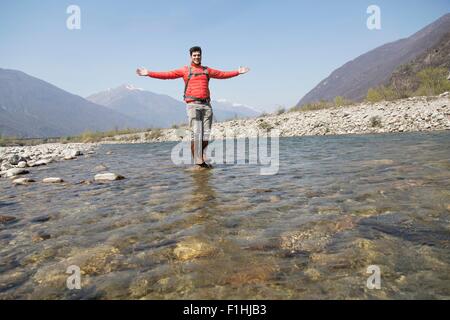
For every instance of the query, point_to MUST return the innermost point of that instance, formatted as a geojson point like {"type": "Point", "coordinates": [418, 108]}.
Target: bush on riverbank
{"type": "Point", "coordinates": [338, 101]}
{"type": "Point", "coordinates": [6, 141]}
{"type": "Point", "coordinates": [430, 82]}
{"type": "Point", "coordinates": [433, 81]}
{"type": "Point", "coordinates": [381, 93]}
{"type": "Point", "coordinates": [86, 136]}
{"type": "Point", "coordinates": [91, 136]}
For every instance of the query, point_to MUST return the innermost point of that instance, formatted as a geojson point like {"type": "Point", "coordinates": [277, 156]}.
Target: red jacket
{"type": "Point", "coordinates": [198, 85]}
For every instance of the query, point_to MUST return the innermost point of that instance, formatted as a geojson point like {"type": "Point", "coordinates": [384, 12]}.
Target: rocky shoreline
{"type": "Point", "coordinates": [17, 160]}
{"type": "Point", "coordinates": [406, 115]}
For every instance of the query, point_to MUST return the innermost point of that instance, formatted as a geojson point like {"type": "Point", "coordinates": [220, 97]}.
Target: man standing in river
{"type": "Point", "coordinates": [197, 97]}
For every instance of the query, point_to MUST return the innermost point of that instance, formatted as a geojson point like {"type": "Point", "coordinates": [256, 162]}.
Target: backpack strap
{"type": "Point", "coordinates": [187, 81]}
{"type": "Point", "coordinates": [205, 71]}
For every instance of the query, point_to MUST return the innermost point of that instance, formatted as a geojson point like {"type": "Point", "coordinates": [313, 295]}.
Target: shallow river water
{"type": "Point", "coordinates": [338, 205]}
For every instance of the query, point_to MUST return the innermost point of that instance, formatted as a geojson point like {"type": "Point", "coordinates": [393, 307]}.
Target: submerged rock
{"type": "Point", "coordinates": [23, 181]}
{"type": "Point", "coordinates": [101, 167]}
{"type": "Point", "coordinates": [52, 180]}
{"type": "Point", "coordinates": [275, 199]}
{"type": "Point", "coordinates": [192, 249]}
{"type": "Point", "coordinates": [307, 240]}
{"type": "Point", "coordinates": [97, 260]}
{"type": "Point", "coordinates": [7, 219]}
{"type": "Point", "coordinates": [40, 237]}
{"type": "Point", "coordinates": [42, 218]}
{"type": "Point", "coordinates": [313, 274]}
{"type": "Point", "coordinates": [12, 279]}
{"type": "Point", "coordinates": [315, 236]}
{"type": "Point", "coordinates": [379, 162]}
{"type": "Point", "coordinates": [16, 171]}
{"type": "Point", "coordinates": [108, 176]}
{"type": "Point", "coordinates": [91, 261]}
{"type": "Point", "coordinates": [84, 182]}
{"type": "Point", "coordinates": [252, 274]}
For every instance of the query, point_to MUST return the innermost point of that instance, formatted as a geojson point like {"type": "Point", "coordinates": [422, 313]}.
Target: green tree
{"type": "Point", "coordinates": [340, 101]}
{"type": "Point", "coordinates": [381, 93]}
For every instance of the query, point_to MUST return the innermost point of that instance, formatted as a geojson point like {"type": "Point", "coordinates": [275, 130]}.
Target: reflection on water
{"type": "Point", "coordinates": [338, 205]}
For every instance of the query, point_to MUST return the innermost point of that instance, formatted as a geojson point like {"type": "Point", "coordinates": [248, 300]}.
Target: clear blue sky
{"type": "Point", "coordinates": [289, 45]}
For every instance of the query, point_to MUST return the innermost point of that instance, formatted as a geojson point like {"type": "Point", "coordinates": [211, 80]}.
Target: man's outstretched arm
{"type": "Point", "coordinates": [217, 74]}
{"type": "Point", "coordinates": [174, 74]}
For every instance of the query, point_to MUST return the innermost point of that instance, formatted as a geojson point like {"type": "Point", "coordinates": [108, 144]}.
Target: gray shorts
{"type": "Point", "coordinates": [200, 120]}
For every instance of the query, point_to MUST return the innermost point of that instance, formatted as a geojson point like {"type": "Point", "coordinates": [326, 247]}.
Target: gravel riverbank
{"type": "Point", "coordinates": [406, 115]}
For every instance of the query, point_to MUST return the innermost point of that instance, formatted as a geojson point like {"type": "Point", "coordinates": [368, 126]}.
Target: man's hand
{"type": "Point", "coordinates": [243, 70]}
{"type": "Point", "coordinates": [142, 71]}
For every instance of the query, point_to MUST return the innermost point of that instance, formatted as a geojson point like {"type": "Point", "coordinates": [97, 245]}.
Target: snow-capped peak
{"type": "Point", "coordinates": [132, 87]}
{"type": "Point", "coordinates": [237, 105]}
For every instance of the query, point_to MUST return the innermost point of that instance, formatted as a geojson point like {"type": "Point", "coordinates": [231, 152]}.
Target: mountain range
{"type": "Point", "coordinates": [374, 68]}
{"type": "Point", "coordinates": [31, 107]}
{"type": "Point", "coordinates": [158, 110]}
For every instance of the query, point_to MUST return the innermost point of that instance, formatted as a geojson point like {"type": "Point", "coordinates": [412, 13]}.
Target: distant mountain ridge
{"type": "Point", "coordinates": [404, 78]}
{"type": "Point", "coordinates": [354, 78]}
{"type": "Point", "coordinates": [226, 110]}
{"type": "Point", "coordinates": [33, 108]}
{"type": "Point", "coordinates": [155, 110]}
{"type": "Point", "coordinates": [30, 107]}
{"type": "Point", "coordinates": [159, 110]}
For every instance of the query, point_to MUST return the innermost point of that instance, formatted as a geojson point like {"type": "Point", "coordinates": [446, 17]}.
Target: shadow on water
{"type": "Point", "coordinates": [394, 225]}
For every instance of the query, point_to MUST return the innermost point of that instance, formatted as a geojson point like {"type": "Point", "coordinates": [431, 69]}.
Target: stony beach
{"type": "Point", "coordinates": [17, 161]}
{"type": "Point", "coordinates": [407, 115]}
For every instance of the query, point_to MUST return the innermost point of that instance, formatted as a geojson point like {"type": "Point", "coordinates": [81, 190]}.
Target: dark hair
{"type": "Point", "coordinates": [195, 49]}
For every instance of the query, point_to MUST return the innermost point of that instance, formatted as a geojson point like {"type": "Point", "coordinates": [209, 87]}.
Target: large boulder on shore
{"type": "Point", "coordinates": [15, 159]}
